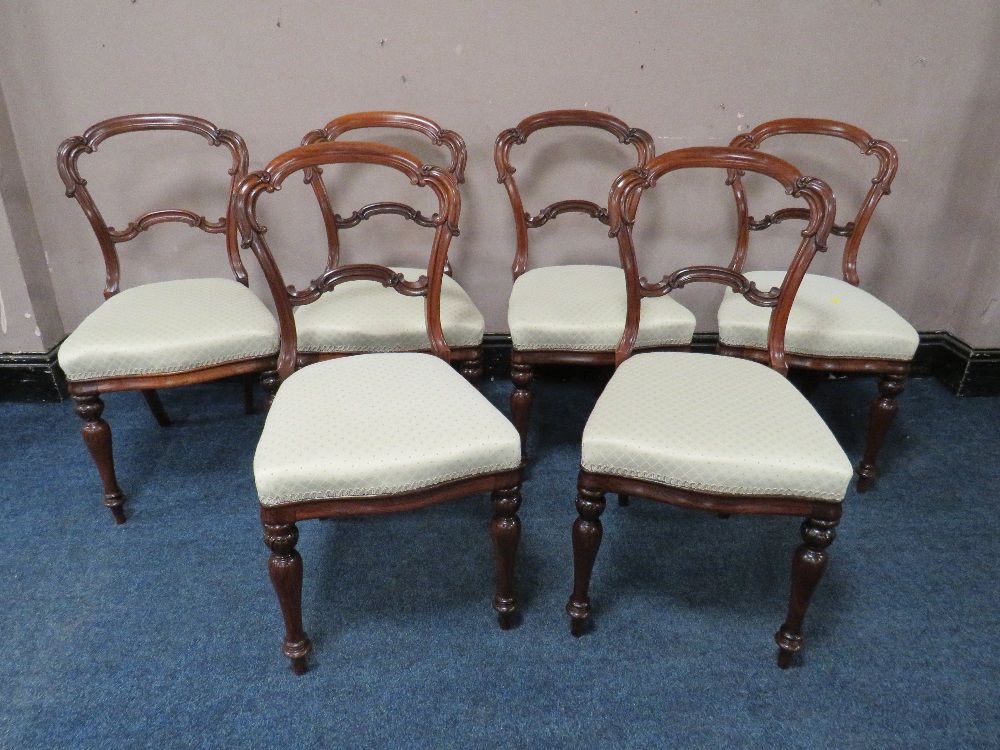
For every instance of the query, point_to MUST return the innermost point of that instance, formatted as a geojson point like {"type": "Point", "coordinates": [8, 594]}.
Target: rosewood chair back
{"type": "Point", "coordinates": [639, 139]}
{"type": "Point", "coordinates": [108, 237]}
{"type": "Point", "coordinates": [307, 159]}
{"type": "Point", "coordinates": [853, 230]}
{"type": "Point", "coordinates": [333, 130]}
{"type": "Point", "coordinates": [623, 204]}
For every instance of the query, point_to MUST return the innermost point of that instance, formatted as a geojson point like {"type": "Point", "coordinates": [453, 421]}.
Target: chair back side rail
{"type": "Point", "coordinates": [623, 205]}
{"type": "Point", "coordinates": [108, 237]}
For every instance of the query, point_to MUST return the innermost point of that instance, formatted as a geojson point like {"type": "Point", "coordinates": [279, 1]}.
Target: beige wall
{"type": "Point", "coordinates": [922, 75]}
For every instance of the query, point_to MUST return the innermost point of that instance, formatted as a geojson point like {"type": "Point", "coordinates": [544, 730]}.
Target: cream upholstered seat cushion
{"type": "Point", "coordinates": [168, 327]}
{"type": "Point", "coordinates": [714, 424]}
{"type": "Point", "coordinates": [829, 318]}
{"type": "Point", "coordinates": [582, 308]}
{"type": "Point", "coordinates": [378, 424]}
{"type": "Point", "coordinates": [364, 316]}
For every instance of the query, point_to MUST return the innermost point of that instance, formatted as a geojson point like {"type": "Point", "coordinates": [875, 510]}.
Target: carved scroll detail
{"type": "Point", "coordinates": [388, 207]}
{"type": "Point", "coordinates": [568, 206]}
{"type": "Point", "coordinates": [734, 280]}
{"type": "Point", "coordinates": [358, 272]}
{"type": "Point", "coordinates": [152, 218]}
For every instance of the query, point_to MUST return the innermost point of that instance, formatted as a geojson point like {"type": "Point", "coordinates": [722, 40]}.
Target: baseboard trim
{"type": "Point", "coordinates": [964, 370]}
{"type": "Point", "coordinates": [31, 376]}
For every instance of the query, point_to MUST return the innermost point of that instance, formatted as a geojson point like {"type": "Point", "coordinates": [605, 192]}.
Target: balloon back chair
{"type": "Point", "coordinates": [369, 317]}
{"type": "Point", "coordinates": [835, 326]}
{"type": "Point", "coordinates": [373, 433]}
{"type": "Point", "coordinates": [573, 314]}
{"type": "Point", "coordinates": [676, 427]}
{"type": "Point", "coordinates": [162, 334]}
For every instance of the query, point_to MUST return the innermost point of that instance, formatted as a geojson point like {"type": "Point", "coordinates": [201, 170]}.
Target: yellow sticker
{"type": "Point", "coordinates": [835, 300]}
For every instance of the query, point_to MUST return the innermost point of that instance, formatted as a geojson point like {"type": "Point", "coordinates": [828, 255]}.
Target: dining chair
{"type": "Point", "coordinates": [573, 314]}
{"type": "Point", "coordinates": [369, 317]}
{"type": "Point", "coordinates": [835, 326]}
{"type": "Point", "coordinates": [373, 433]}
{"type": "Point", "coordinates": [167, 333]}
{"type": "Point", "coordinates": [709, 432]}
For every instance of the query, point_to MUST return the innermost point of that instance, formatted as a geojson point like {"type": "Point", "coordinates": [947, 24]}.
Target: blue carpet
{"type": "Point", "coordinates": [165, 632]}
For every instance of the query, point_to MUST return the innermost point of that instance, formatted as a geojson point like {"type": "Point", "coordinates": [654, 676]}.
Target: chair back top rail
{"type": "Point", "coordinates": [523, 220]}
{"type": "Point", "coordinates": [108, 237]}
{"type": "Point", "coordinates": [623, 205]}
{"type": "Point", "coordinates": [333, 130]}
{"type": "Point", "coordinates": [853, 230]}
{"type": "Point", "coordinates": [320, 154]}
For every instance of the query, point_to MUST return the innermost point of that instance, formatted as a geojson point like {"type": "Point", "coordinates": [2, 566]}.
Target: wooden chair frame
{"type": "Point", "coordinates": [821, 517]}
{"type": "Point", "coordinates": [523, 362]}
{"type": "Point", "coordinates": [280, 532]}
{"type": "Point", "coordinates": [893, 373]}
{"type": "Point", "coordinates": [470, 358]}
{"type": "Point", "coordinates": [87, 393]}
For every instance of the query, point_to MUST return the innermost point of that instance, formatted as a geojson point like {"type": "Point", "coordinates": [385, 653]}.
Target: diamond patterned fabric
{"type": "Point", "coordinates": [582, 308]}
{"type": "Point", "coordinates": [167, 327]}
{"type": "Point", "coordinates": [378, 424]}
{"type": "Point", "coordinates": [829, 318]}
{"type": "Point", "coordinates": [713, 424]}
{"type": "Point", "coordinates": [364, 316]}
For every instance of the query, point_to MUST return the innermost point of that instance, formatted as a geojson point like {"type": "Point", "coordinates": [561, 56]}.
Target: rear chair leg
{"type": "Point", "coordinates": [587, 534]}
{"type": "Point", "coordinates": [156, 407]}
{"type": "Point", "coordinates": [249, 404]}
{"type": "Point", "coordinates": [285, 567]}
{"type": "Point", "coordinates": [808, 565]}
{"type": "Point", "coordinates": [882, 415]}
{"type": "Point", "coordinates": [505, 530]}
{"type": "Point", "coordinates": [97, 438]}
{"type": "Point", "coordinates": [472, 369]}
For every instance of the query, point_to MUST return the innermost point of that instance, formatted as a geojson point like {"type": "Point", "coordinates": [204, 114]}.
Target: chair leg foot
{"type": "Point", "coordinates": [587, 534]}
{"type": "Point", "coordinates": [808, 565]}
{"type": "Point", "coordinates": [505, 531]}
{"type": "Point", "coordinates": [883, 412]}
{"type": "Point", "coordinates": [520, 402]}
{"type": "Point", "coordinates": [97, 438]}
{"type": "Point", "coordinates": [285, 568]}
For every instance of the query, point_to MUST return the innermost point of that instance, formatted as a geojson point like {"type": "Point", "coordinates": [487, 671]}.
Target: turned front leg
{"type": "Point", "coordinates": [285, 567]}
{"type": "Point", "coordinates": [520, 402]}
{"type": "Point", "coordinates": [97, 438]}
{"type": "Point", "coordinates": [808, 565]}
{"type": "Point", "coordinates": [505, 530]}
{"type": "Point", "coordinates": [883, 413]}
{"type": "Point", "coordinates": [587, 534]}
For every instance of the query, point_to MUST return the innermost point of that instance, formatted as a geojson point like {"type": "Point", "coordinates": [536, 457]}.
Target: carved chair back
{"type": "Point", "coordinates": [623, 204]}
{"type": "Point", "coordinates": [109, 237]}
{"type": "Point", "coordinates": [853, 231]}
{"type": "Point", "coordinates": [639, 139]}
{"type": "Point", "coordinates": [334, 129]}
{"type": "Point", "coordinates": [317, 155]}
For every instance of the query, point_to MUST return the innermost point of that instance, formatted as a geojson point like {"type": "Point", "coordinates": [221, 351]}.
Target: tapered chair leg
{"type": "Point", "coordinates": [156, 407]}
{"type": "Point", "coordinates": [285, 567]}
{"type": "Point", "coordinates": [472, 369]}
{"type": "Point", "coordinates": [249, 403]}
{"type": "Point", "coordinates": [883, 413]}
{"type": "Point", "coordinates": [587, 534]}
{"type": "Point", "coordinates": [808, 565]}
{"type": "Point", "coordinates": [520, 401]}
{"type": "Point", "coordinates": [97, 438]}
{"type": "Point", "coordinates": [505, 530]}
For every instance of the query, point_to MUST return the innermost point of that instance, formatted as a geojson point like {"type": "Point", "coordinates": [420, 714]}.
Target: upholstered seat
{"type": "Point", "coordinates": [829, 318]}
{"type": "Point", "coordinates": [168, 327]}
{"type": "Point", "coordinates": [582, 308]}
{"type": "Point", "coordinates": [667, 417]}
{"type": "Point", "coordinates": [366, 316]}
{"type": "Point", "coordinates": [338, 429]}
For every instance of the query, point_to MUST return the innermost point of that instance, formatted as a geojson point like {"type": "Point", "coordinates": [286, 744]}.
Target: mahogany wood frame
{"type": "Point", "coordinates": [280, 532]}
{"type": "Point", "coordinates": [893, 373]}
{"type": "Point", "coordinates": [469, 358]}
{"type": "Point", "coordinates": [821, 517]}
{"type": "Point", "coordinates": [87, 393]}
{"type": "Point", "coordinates": [523, 361]}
